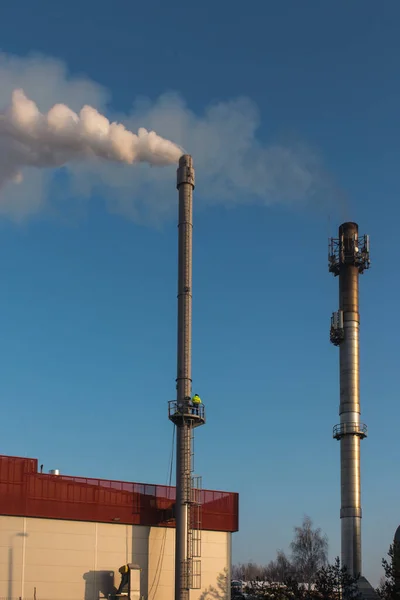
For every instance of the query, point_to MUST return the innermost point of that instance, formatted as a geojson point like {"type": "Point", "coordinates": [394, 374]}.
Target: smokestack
{"type": "Point", "coordinates": [348, 257]}
{"type": "Point", "coordinates": [181, 411]}
{"type": "Point", "coordinates": [396, 560]}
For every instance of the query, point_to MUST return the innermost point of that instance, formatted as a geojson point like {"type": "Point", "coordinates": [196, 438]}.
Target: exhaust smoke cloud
{"type": "Point", "coordinates": [52, 119]}
{"type": "Point", "coordinates": [61, 136]}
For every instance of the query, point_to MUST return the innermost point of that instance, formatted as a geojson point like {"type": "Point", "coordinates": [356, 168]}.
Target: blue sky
{"type": "Point", "coordinates": [88, 296]}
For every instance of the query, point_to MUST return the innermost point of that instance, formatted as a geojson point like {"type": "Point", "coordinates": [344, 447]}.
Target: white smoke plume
{"type": "Point", "coordinates": [32, 139]}
{"type": "Point", "coordinates": [51, 119]}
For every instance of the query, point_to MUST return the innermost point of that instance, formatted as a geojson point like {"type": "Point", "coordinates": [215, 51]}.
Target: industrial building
{"type": "Point", "coordinates": [65, 538]}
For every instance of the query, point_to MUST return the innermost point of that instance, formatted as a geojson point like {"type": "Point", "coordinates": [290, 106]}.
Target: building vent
{"type": "Point", "coordinates": [54, 472]}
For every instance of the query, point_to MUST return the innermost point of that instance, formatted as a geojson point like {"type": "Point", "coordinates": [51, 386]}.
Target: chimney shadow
{"type": "Point", "coordinates": [151, 509]}
{"type": "Point", "coordinates": [140, 556]}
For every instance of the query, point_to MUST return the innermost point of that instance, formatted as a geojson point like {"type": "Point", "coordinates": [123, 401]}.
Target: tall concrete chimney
{"type": "Point", "coordinates": [348, 257]}
{"type": "Point", "coordinates": [181, 411]}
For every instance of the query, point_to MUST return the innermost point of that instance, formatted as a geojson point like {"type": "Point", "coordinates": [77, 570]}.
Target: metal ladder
{"type": "Point", "coordinates": [194, 533]}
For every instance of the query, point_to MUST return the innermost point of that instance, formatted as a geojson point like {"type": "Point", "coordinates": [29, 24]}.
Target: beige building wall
{"type": "Point", "coordinates": [71, 560]}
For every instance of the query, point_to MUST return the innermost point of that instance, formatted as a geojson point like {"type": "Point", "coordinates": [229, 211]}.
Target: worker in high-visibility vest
{"type": "Point", "coordinates": [124, 585]}
{"type": "Point", "coordinates": [196, 401]}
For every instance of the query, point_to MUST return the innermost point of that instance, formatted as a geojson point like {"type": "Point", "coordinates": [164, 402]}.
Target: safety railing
{"type": "Point", "coordinates": [186, 410]}
{"type": "Point", "coordinates": [350, 428]}
{"type": "Point", "coordinates": [354, 252]}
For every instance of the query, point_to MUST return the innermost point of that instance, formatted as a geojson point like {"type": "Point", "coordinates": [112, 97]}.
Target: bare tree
{"type": "Point", "coordinates": [247, 571]}
{"type": "Point", "coordinates": [309, 551]}
{"type": "Point", "coordinates": [236, 572]}
{"type": "Point", "coordinates": [280, 569]}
